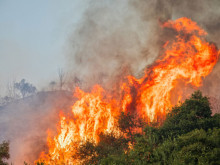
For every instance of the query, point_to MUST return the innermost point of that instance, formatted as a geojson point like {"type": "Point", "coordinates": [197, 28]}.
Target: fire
{"type": "Point", "coordinates": [189, 58]}
{"type": "Point", "coordinates": [92, 115]}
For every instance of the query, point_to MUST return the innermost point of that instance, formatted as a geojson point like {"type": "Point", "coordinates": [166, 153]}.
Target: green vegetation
{"type": "Point", "coordinates": [189, 135]}
{"type": "Point", "coordinates": [4, 153]}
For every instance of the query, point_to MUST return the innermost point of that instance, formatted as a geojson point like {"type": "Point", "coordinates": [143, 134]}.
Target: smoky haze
{"type": "Point", "coordinates": [25, 123]}
{"type": "Point", "coordinates": [117, 38]}
{"type": "Point", "coordinates": [113, 39]}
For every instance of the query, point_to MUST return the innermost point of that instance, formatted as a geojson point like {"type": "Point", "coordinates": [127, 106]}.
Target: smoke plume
{"type": "Point", "coordinates": [24, 123]}
{"type": "Point", "coordinates": [118, 38]}
{"type": "Point", "coordinates": [113, 39]}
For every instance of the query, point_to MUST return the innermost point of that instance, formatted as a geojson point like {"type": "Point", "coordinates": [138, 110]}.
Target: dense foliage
{"type": "Point", "coordinates": [189, 135]}
{"type": "Point", "coordinates": [4, 153]}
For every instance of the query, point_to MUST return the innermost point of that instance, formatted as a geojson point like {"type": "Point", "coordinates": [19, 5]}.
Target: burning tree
{"type": "Point", "coordinates": [188, 57]}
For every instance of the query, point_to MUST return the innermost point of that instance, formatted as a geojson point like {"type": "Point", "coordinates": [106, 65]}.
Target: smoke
{"type": "Point", "coordinates": [118, 38]}
{"type": "Point", "coordinates": [113, 39]}
{"type": "Point", "coordinates": [24, 123]}
{"type": "Point", "coordinates": [109, 42]}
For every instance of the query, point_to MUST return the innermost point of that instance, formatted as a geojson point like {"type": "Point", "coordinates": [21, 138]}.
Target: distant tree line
{"type": "Point", "coordinates": [21, 89]}
{"type": "Point", "coordinates": [17, 90]}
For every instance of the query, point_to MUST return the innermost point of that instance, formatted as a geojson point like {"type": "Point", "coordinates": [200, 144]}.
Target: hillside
{"type": "Point", "coordinates": [25, 122]}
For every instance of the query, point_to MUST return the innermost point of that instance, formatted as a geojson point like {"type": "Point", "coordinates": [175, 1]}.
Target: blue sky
{"type": "Point", "coordinates": [33, 35]}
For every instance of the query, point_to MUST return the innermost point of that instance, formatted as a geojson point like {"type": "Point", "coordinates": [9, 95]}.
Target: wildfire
{"type": "Point", "coordinates": [92, 116]}
{"type": "Point", "coordinates": [188, 58]}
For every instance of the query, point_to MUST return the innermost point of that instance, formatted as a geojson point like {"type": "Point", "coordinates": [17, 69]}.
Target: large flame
{"type": "Point", "coordinates": [188, 58]}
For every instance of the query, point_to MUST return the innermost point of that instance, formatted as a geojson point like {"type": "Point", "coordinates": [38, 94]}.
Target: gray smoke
{"type": "Point", "coordinates": [25, 122]}
{"type": "Point", "coordinates": [110, 40]}
{"type": "Point", "coordinates": [117, 38]}
{"type": "Point", "coordinates": [113, 39]}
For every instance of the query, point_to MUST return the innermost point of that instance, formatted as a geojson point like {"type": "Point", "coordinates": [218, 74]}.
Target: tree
{"type": "Point", "coordinates": [61, 75]}
{"type": "Point", "coordinates": [191, 114]}
{"type": "Point", "coordinates": [111, 148]}
{"type": "Point", "coordinates": [11, 91]}
{"type": "Point", "coordinates": [189, 135]}
{"type": "Point", "coordinates": [4, 153]}
{"type": "Point", "coordinates": [195, 147]}
{"type": "Point", "coordinates": [72, 82]}
{"type": "Point", "coordinates": [109, 145]}
{"type": "Point", "coordinates": [25, 88]}
{"type": "Point", "coordinates": [11, 94]}
{"type": "Point", "coordinates": [131, 125]}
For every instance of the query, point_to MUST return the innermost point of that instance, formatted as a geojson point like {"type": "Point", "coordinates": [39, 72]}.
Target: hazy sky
{"type": "Point", "coordinates": [33, 35]}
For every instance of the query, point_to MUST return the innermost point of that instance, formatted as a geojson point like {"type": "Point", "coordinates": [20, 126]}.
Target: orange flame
{"type": "Point", "coordinates": [92, 116]}
{"type": "Point", "coordinates": [189, 58]}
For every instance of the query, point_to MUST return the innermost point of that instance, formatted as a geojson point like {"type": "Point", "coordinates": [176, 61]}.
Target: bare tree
{"type": "Point", "coordinates": [61, 75]}
{"type": "Point", "coordinates": [10, 94]}
{"type": "Point", "coordinates": [11, 91]}
{"type": "Point", "coordinates": [72, 82]}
